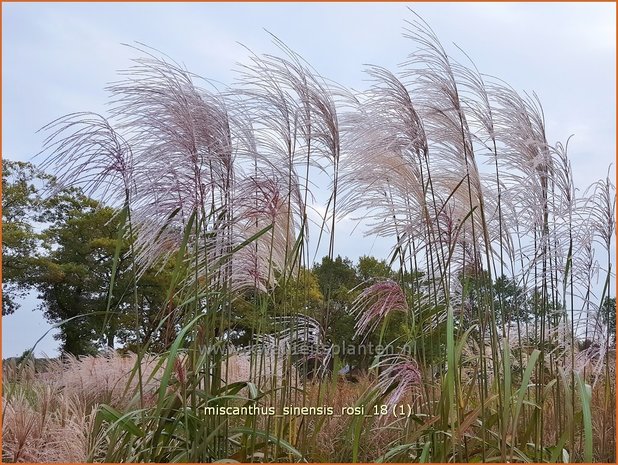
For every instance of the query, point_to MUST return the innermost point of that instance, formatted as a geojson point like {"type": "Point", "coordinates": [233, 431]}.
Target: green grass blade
{"type": "Point", "coordinates": [587, 418]}
{"type": "Point", "coordinates": [268, 437]}
{"type": "Point", "coordinates": [521, 393]}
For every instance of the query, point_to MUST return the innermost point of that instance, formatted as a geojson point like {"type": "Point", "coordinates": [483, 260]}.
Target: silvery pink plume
{"type": "Point", "coordinates": [266, 198]}
{"type": "Point", "coordinates": [528, 336]}
{"type": "Point", "coordinates": [84, 150]}
{"type": "Point", "coordinates": [596, 220]}
{"type": "Point", "coordinates": [563, 202]}
{"type": "Point", "coordinates": [595, 361]}
{"type": "Point", "coordinates": [501, 226]}
{"type": "Point", "coordinates": [384, 126]}
{"type": "Point", "coordinates": [535, 180]}
{"type": "Point", "coordinates": [251, 271]}
{"type": "Point", "coordinates": [585, 264]}
{"type": "Point", "coordinates": [478, 103]}
{"type": "Point", "coordinates": [183, 143]}
{"type": "Point", "coordinates": [167, 149]}
{"type": "Point", "coordinates": [399, 376]}
{"type": "Point", "coordinates": [293, 109]}
{"type": "Point", "coordinates": [562, 343]}
{"type": "Point", "coordinates": [260, 199]}
{"type": "Point", "coordinates": [295, 123]}
{"type": "Point", "coordinates": [435, 196]}
{"type": "Point", "coordinates": [602, 208]}
{"type": "Point", "coordinates": [375, 303]}
{"type": "Point", "coordinates": [261, 202]}
{"type": "Point", "coordinates": [526, 161]}
{"type": "Point", "coordinates": [430, 73]}
{"type": "Point", "coordinates": [586, 257]}
{"type": "Point", "coordinates": [318, 116]}
{"type": "Point", "coordinates": [455, 231]}
{"type": "Point", "coordinates": [565, 338]}
{"type": "Point", "coordinates": [563, 209]}
{"type": "Point", "coordinates": [385, 164]}
{"type": "Point", "coordinates": [257, 265]}
{"type": "Point", "coordinates": [532, 179]}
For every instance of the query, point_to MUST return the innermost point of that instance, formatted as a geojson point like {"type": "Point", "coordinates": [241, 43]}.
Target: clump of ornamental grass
{"type": "Point", "coordinates": [109, 378]}
{"type": "Point", "coordinates": [48, 416]}
{"type": "Point", "coordinates": [454, 167]}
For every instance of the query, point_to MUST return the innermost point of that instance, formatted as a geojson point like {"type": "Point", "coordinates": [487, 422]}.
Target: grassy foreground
{"type": "Point", "coordinates": [498, 336]}
{"type": "Point", "coordinates": [56, 414]}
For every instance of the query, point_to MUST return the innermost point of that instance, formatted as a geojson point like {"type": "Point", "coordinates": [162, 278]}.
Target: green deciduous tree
{"type": "Point", "coordinates": [21, 210]}
{"type": "Point", "coordinates": [336, 279]}
{"type": "Point", "coordinates": [370, 267]}
{"type": "Point", "coordinates": [62, 243]}
{"type": "Point", "coordinates": [75, 277]}
{"type": "Point", "coordinates": [608, 315]}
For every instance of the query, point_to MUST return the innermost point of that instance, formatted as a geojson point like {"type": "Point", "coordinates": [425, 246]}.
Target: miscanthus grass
{"type": "Point", "coordinates": [503, 353]}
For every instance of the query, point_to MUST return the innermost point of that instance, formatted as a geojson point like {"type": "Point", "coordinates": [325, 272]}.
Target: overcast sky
{"type": "Point", "coordinates": [58, 57]}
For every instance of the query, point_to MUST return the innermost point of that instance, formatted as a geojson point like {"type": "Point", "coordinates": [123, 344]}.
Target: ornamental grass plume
{"type": "Point", "coordinates": [399, 376]}
{"type": "Point", "coordinates": [107, 378]}
{"type": "Point", "coordinates": [375, 303]}
{"type": "Point", "coordinates": [267, 371]}
{"type": "Point", "coordinates": [261, 202]}
{"type": "Point", "coordinates": [385, 127]}
{"type": "Point", "coordinates": [86, 151]}
{"type": "Point", "coordinates": [48, 416]}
